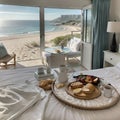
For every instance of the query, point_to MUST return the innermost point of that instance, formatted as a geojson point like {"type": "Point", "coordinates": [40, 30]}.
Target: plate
{"type": "Point", "coordinates": [82, 95]}
{"type": "Point", "coordinates": [87, 79]}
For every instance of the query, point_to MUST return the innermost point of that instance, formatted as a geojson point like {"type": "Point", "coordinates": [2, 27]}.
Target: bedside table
{"type": "Point", "coordinates": [111, 58]}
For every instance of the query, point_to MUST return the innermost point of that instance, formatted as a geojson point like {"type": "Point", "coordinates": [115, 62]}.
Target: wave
{"type": "Point", "coordinates": [50, 30]}
{"type": "Point", "coordinates": [33, 32]}
{"type": "Point", "coordinates": [26, 27]}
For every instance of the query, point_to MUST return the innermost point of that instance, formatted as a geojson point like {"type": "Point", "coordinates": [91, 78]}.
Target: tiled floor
{"type": "Point", "coordinates": [76, 65]}
{"type": "Point", "coordinates": [73, 63]}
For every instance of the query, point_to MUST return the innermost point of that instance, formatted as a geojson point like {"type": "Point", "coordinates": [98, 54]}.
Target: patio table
{"type": "Point", "coordinates": [54, 50]}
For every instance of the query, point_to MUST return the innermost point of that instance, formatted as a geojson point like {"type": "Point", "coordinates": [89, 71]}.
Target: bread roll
{"type": "Point", "coordinates": [48, 87]}
{"type": "Point", "coordinates": [90, 86]}
{"type": "Point", "coordinates": [46, 84]}
{"type": "Point", "coordinates": [77, 91]}
{"type": "Point", "coordinates": [60, 85]}
{"type": "Point", "coordinates": [76, 85]}
{"type": "Point", "coordinates": [86, 90]}
{"type": "Point", "coordinates": [81, 94]}
{"type": "Point", "coordinates": [43, 83]}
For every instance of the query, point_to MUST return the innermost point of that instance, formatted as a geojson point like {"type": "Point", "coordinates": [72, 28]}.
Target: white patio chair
{"type": "Point", "coordinates": [75, 45]}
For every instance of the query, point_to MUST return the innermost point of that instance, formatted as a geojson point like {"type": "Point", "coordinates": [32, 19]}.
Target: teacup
{"type": "Point", "coordinates": [107, 91]}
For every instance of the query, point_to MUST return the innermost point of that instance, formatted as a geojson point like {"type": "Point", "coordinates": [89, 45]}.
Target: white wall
{"type": "Point", "coordinates": [115, 14]}
{"type": "Point", "coordinates": [115, 10]}
{"type": "Point", "coordinates": [75, 4]}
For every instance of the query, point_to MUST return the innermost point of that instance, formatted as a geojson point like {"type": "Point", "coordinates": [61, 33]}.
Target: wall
{"type": "Point", "coordinates": [115, 10]}
{"type": "Point", "coordinates": [75, 4]}
{"type": "Point", "coordinates": [115, 15]}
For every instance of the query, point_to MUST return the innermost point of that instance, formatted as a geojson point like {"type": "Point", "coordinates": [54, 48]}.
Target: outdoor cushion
{"type": "Point", "coordinates": [3, 51]}
{"type": "Point", "coordinates": [73, 54]}
{"type": "Point", "coordinates": [74, 44]}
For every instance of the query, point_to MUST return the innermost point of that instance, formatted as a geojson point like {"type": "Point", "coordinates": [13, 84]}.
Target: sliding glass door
{"type": "Point", "coordinates": [27, 30]}
{"type": "Point", "coordinates": [87, 37]}
{"type": "Point", "coordinates": [87, 25]}
{"type": "Point", "coordinates": [60, 24]}
{"type": "Point", "coordinates": [20, 31]}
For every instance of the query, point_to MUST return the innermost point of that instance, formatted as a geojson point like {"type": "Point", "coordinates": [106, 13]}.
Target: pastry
{"type": "Point", "coordinates": [77, 90]}
{"type": "Point", "coordinates": [89, 86]}
{"type": "Point", "coordinates": [46, 84]}
{"type": "Point", "coordinates": [43, 83]}
{"type": "Point", "coordinates": [88, 79]}
{"type": "Point", "coordinates": [76, 85]}
{"type": "Point", "coordinates": [86, 90]}
{"type": "Point", "coordinates": [50, 81]}
{"type": "Point", "coordinates": [60, 85]}
{"type": "Point", "coordinates": [81, 94]}
{"type": "Point", "coordinates": [48, 87]}
{"type": "Point", "coordinates": [58, 51]}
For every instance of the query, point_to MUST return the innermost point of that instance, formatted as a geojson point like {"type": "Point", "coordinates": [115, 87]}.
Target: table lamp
{"type": "Point", "coordinates": [113, 27]}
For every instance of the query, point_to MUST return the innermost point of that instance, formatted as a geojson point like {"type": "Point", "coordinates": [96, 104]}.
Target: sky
{"type": "Point", "coordinates": [10, 12]}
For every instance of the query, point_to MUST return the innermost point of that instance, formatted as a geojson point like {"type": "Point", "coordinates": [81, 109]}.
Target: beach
{"type": "Point", "coordinates": [24, 45]}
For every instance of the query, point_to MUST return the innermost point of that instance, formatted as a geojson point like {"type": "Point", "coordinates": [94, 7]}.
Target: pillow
{"type": "Point", "coordinates": [74, 44]}
{"type": "Point", "coordinates": [3, 51]}
{"type": "Point", "coordinates": [78, 46]}
{"type": "Point", "coordinates": [69, 44]}
{"type": "Point", "coordinates": [77, 39]}
{"type": "Point", "coordinates": [75, 47]}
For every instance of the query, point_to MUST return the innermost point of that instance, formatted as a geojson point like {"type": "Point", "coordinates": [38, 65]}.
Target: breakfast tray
{"type": "Point", "coordinates": [98, 103]}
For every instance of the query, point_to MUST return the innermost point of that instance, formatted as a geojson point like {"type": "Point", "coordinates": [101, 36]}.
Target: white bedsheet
{"type": "Point", "coordinates": [50, 108]}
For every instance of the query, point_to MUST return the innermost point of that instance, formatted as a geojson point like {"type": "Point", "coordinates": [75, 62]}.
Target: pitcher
{"type": "Point", "coordinates": [62, 74]}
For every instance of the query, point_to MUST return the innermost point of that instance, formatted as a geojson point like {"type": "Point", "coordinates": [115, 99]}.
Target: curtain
{"type": "Point", "coordinates": [100, 35]}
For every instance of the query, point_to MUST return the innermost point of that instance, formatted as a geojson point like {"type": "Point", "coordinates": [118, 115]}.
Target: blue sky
{"type": "Point", "coordinates": [9, 12]}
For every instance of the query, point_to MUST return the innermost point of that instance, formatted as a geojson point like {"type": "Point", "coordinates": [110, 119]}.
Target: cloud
{"type": "Point", "coordinates": [18, 15]}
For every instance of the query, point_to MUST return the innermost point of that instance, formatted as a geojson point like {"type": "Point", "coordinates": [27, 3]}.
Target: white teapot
{"type": "Point", "coordinates": [62, 74]}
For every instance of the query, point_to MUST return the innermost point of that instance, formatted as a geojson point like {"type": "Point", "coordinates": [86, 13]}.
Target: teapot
{"type": "Point", "coordinates": [62, 74]}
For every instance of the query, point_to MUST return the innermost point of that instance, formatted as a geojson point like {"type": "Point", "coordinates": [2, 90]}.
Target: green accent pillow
{"type": "Point", "coordinates": [3, 51]}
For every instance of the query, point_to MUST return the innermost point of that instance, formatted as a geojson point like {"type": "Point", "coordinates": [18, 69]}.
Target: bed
{"type": "Point", "coordinates": [45, 106]}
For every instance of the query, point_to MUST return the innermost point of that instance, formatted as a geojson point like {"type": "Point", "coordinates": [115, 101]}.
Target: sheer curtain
{"type": "Point", "coordinates": [100, 36]}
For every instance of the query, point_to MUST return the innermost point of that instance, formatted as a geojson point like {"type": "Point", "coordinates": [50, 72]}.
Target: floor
{"type": "Point", "coordinates": [73, 63]}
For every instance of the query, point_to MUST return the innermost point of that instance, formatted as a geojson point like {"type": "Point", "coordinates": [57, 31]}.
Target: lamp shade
{"type": "Point", "coordinates": [113, 27]}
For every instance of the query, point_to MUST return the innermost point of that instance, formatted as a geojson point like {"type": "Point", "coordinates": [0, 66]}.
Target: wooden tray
{"type": "Point", "coordinates": [93, 95]}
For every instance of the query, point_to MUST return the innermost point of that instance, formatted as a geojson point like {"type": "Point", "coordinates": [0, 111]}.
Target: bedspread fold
{"type": "Point", "coordinates": [16, 98]}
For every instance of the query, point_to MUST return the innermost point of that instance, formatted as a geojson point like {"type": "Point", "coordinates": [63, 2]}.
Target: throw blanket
{"type": "Point", "coordinates": [16, 98]}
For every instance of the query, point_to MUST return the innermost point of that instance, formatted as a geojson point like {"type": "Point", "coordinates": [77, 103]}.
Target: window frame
{"type": "Point", "coordinates": [85, 29]}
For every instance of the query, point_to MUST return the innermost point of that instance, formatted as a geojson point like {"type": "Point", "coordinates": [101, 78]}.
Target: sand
{"type": "Point", "coordinates": [22, 46]}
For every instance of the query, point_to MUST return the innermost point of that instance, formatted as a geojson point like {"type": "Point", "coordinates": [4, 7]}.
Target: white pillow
{"type": "Point", "coordinates": [77, 39]}
{"type": "Point", "coordinates": [74, 44]}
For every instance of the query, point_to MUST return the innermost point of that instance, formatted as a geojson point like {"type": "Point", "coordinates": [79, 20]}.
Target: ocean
{"type": "Point", "coordinates": [16, 27]}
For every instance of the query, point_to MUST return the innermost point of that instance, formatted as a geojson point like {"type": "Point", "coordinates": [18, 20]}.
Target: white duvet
{"type": "Point", "coordinates": [16, 98]}
{"type": "Point", "coordinates": [19, 89]}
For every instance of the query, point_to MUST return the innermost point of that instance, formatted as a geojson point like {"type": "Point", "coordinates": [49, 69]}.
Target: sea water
{"type": "Point", "coordinates": [16, 27]}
